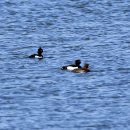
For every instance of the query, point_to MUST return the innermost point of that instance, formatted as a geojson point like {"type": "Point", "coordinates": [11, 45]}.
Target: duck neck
{"type": "Point", "coordinates": [85, 68]}
{"type": "Point", "coordinates": [39, 54]}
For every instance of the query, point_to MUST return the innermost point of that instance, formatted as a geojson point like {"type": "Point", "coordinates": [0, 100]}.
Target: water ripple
{"type": "Point", "coordinates": [37, 94]}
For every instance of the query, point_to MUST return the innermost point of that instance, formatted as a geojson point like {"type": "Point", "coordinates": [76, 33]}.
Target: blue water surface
{"type": "Point", "coordinates": [37, 94]}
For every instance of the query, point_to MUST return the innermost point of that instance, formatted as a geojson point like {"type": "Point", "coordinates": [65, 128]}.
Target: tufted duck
{"type": "Point", "coordinates": [73, 66]}
{"type": "Point", "coordinates": [38, 55]}
{"type": "Point", "coordinates": [84, 69]}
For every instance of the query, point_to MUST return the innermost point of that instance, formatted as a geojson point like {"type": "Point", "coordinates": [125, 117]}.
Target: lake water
{"type": "Point", "coordinates": [37, 94]}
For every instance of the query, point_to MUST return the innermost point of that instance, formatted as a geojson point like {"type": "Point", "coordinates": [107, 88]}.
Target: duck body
{"type": "Point", "coordinates": [36, 56]}
{"type": "Point", "coordinates": [73, 66]}
{"type": "Point", "coordinates": [70, 67]}
{"type": "Point", "coordinates": [82, 70]}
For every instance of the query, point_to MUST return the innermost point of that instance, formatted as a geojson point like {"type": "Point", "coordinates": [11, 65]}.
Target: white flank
{"type": "Point", "coordinates": [39, 57]}
{"type": "Point", "coordinates": [71, 68]}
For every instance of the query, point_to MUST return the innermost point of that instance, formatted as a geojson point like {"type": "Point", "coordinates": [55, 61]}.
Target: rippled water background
{"type": "Point", "coordinates": [36, 94]}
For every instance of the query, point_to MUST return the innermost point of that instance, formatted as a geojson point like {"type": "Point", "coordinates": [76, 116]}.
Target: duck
{"type": "Point", "coordinates": [38, 55]}
{"type": "Point", "coordinates": [73, 66]}
{"type": "Point", "coordinates": [84, 69]}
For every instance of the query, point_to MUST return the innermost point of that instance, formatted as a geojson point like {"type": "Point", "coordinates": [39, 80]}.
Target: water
{"type": "Point", "coordinates": [36, 94]}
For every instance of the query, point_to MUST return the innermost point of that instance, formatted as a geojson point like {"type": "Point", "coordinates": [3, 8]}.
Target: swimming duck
{"type": "Point", "coordinates": [84, 69]}
{"type": "Point", "coordinates": [73, 66]}
{"type": "Point", "coordinates": [38, 55]}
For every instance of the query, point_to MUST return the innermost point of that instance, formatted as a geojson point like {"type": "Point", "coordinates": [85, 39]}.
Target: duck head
{"type": "Point", "coordinates": [77, 62]}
